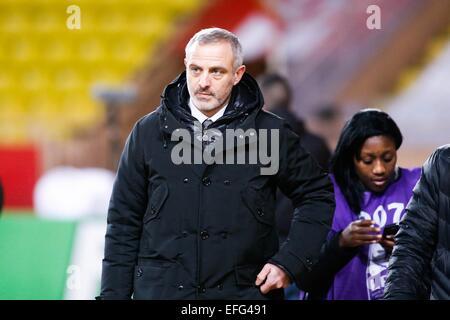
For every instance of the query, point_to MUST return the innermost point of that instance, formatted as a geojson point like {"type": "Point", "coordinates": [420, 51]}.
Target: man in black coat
{"type": "Point", "coordinates": [277, 95]}
{"type": "Point", "coordinates": [420, 262]}
{"type": "Point", "coordinates": [183, 229]}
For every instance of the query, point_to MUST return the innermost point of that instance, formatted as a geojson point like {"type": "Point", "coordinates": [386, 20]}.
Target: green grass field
{"type": "Point", "coordinates": [34, 256]}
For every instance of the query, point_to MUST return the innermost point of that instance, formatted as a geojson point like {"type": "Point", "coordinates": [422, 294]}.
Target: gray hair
{"type": "Point", "coordinates": [212, 35]}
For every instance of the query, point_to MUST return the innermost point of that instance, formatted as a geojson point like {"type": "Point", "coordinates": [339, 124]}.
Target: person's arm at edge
{"type": "Point", "coordinates": [124, 223]}
{"type": "Point", "coordinates": [311, 191]}
{"type": "Point", "coordinates": [415, 243]}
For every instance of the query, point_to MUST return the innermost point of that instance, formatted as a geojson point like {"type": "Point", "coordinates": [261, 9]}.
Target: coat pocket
{"type": "Point", "coordinates": [245, 280]}
{"type": "Point", "coordinates": [246, 275]}
{"type": "Point", "coordinates": [259, 203]}
{"type": "Point", "coordinates": [157, 199]}
{"type": "Point", "coordinates": [150, 282]}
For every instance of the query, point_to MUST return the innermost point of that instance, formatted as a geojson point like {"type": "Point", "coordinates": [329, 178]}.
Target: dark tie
{"type": "Point", "coordinates": [205, 138]}
{"type": "Point", "coordinates": [206, 124]}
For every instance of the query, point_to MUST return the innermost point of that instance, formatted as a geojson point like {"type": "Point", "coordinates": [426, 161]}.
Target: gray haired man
{"type": "Point", "coordinates": [207, 230]}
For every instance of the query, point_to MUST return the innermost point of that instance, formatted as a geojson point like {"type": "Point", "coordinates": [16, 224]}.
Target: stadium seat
{"type": "Point", "coordinates": [48, 69]}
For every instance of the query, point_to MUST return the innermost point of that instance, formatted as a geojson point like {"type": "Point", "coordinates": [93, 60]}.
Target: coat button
{"type": "Point", "coordinates": [260, 212]}
{"type": "Point", "coordinates": [201, 289]}
{"type": "Point", "coordinates": [204, 234]}
{"type": "Point", "coordinates": [185, 180]}
{"type": "Point", "coordinates": [185, 234]}
{"type": "Point", "coordinates": [206, 181]}
{"type": "Point", "coordinates": [139, 272]}
{"type": "Point", "coordinates": [180, 287]}
{"type": "Point", "coordinates": [220, 286]}
{"type": "Point", "coordinates": [227, 182]}
{"type": "Point", "coordinates": [224, 235]}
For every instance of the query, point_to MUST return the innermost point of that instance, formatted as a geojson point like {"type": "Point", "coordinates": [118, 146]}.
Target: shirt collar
{"type": "Point", "coordinates": [201, 117]}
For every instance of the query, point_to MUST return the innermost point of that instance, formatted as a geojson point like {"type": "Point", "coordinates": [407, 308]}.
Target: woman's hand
{"type": "Point", "coordinates": [359, 233]}
{"type": "Point", "coordinates": [388, 243]}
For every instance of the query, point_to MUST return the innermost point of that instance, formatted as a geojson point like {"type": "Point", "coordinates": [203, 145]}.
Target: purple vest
{"type": "Point", "coordinates": [363, 278]}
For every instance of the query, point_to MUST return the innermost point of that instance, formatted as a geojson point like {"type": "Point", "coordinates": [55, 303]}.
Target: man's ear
{"type": "Point", "coordinates": [238, 74]}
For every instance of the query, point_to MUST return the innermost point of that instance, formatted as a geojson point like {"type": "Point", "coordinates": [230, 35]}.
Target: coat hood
{"type": "Point", "coordinates": [246, 99]}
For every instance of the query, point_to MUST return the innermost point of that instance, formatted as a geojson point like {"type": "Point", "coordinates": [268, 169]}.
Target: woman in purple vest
{"type": "Point", "coordinates": [371, 194]}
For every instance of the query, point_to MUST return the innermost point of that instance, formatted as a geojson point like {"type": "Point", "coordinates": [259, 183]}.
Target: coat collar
{"type": "Point", "coordinates": [245, 103]}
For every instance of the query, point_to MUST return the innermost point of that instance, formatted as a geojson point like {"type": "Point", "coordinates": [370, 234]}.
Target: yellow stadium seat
{"type": "Point", "coordinates": [12, 20]}
{"type": "Point", "coordinates": [47, 71]}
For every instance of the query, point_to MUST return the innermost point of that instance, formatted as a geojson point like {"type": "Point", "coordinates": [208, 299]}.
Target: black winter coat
{"type": "Point", "coordinates": [318, 149]}
{"type": "Point", "coordinates": [197, 231]}
{"type": "Point", "coordinates": [419, 267]}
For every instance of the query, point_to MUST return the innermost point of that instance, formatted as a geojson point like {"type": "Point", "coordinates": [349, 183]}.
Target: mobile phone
{"type": "Point", "coordinates": [390, 230]}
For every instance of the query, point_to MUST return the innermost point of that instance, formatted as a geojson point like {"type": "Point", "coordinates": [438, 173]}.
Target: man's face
{"type": "Point", "coordinates": [211, 75]}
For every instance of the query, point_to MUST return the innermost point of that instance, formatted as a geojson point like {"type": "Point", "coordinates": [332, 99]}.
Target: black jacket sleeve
{"type": "Point", "coordinates": [124, 223]}
{"type": "Point", "coordinates": [332, 259]}
{"type": "Point", "coordinates": [311, 191]}
{"type": "Point", "coordinates": [415, 243]}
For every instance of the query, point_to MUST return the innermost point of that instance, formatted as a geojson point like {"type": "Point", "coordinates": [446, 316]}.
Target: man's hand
{"type": "Point", "coordinates": [272, 277]}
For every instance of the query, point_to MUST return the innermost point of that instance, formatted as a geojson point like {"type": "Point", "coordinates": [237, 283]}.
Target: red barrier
{"type": "Point", "coordinates": [19, 171]}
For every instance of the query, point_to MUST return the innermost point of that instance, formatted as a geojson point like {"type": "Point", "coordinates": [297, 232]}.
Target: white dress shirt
{"type": "Point", "coordinates": [197, 114]}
